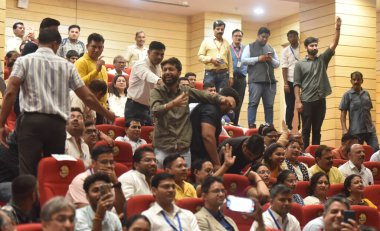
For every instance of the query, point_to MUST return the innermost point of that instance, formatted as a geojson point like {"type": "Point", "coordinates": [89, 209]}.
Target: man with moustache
{"type": "Point", "coordinates": [310, 75]}
{"type": "Point", "coordinates": [170, 109]}
{"type": "Point", "coordinates": [216, 55]}
{"type": "Point", "coordinates": [138, 51]}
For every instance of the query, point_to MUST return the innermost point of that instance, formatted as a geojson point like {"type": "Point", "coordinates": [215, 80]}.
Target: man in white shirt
{"type": "Point", "coordinates": [13, 44]}
{"type": "Point", "coordinates": [164, 214]}
{"type": "Point", "coordinates": [278, 214]}
{"type": "Point", "coordinates": [132, 134]}
{"type": "Point", "coordinates": [289, 58]}
{"type": "Point", "coordinates": [137, 180]}
{"type": "Point", "coordinates": [119, 65]}
{"type": "Point", "coordinates": [75, 145]}
{"type": "Point", "coordinates": [355, 165]}
{"type": "Point", "coordinates": [138, 51]}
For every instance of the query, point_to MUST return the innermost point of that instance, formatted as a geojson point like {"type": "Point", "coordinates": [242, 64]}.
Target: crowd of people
{"type": "Point", "coordinates": [56, 91]}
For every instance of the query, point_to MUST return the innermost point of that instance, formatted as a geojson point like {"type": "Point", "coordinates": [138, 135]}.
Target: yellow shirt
{"type": "Point", "coordinates": [335, 176]}
{"type": "Point", "coordinates": [87, 70]}
{"type": "Point", "coordinates": [188, 191]}
{"type": "Point", "coordinates": [209, 49]}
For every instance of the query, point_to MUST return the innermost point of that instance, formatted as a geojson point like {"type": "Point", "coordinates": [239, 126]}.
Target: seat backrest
{"type": "Point", "coordinates": [110, 130]}
{"type": "Point", "coordinates": [123, 153]}
{"type": "Point", "coordinates": [252, 131]}
{"type": "Point", "coordinates": [242, 221]}
{"type": "Point", "coordinates": [309, 212]}
{"type": "Point", "coordinates": [128, 70]}
{"type": "Point", "coordinates": [120, 121]}
{"type": "Point", "coordinates": [302, 188]}
{"type": "Point", "coordinates": [338, 162]}
{"type": "Point", "coordinates": [109, 67]}
{"type": "Point", "coordinates": [297, 211]}
{"type": "Point", "coordinates": [199, 85]}
{"type": "Point", "coordinates": [309, 161]}
{"type": "Point", "coordinates": [375, 169]}
{"type": "Point", "coordinates": [147, 133]}
{"type": "Point", "coordinates": [234, 131]}
{"type": "Point", "coordinates": [221, 138]}
{"type": "Point", "coordinates": [372, 193]}
{"type": "Point", "coordinates": [120, 169]}
{"type": "Point", "coordinates": [366, 215]}
{"type": "Point", "coordinates": [110, 77]}
{"type": "Point", "coordinates": [29, 227]}
{"type": "Point", "coordinates": [54, 177]}
{"type": "Point", "coordinates": [311, 149]}
{"type": "Point", "coordinates": [138, 204]}
{"type": "Point", "coordinates": [368, 150]}
{"type": "Point", "coordinates": [335, 189]}
{"type": "Point", "coordinates": [235, 184]}
{"type": "Point", "coordinates": [192, 204]}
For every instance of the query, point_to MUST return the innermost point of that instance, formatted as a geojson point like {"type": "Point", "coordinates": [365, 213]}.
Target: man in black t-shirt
{"type": "Point", "coordinates": [206, 123]}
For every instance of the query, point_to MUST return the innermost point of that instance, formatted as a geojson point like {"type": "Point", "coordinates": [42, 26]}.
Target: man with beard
{"type": "Point", "coordinates": [261, 59]}
{"type": "Point", "coordinates": [170, 108]}
{"type": "Point", "coordinates": [75, 145]}
{"type": "Point", "coordinates": [137, 180]}
{"type": "Point", "coordinates": [310, 75]}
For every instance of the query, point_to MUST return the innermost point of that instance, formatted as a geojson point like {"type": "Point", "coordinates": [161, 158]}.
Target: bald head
{"type": "Point", "coordinates": [356, 154]}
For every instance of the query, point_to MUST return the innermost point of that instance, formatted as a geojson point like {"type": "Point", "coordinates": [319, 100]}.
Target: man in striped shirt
{"type": "Point", "coordinates": [45, 80]}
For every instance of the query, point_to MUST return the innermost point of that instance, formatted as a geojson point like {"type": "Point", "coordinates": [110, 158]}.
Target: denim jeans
{"type": "Point", "coordinates": [219, 79]}
{"type": "Point", "coordinates": [267, 92]}
{"type": "Point", "coordinates": [161, 155]}
{"type": "Point", "coordinates": [370, 138]}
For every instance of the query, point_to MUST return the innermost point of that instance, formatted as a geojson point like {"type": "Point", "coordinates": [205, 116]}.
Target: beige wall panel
{"type": "Point", "coordinates": [363, 52]}
{"type": "Point", "coordinates": [355, 10]}
{"type": "Point", "coordinates": [313, 5]}
{"type": "Point", "coordinates": [317, 12]}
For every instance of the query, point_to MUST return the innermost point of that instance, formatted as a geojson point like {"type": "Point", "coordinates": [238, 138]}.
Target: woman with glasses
{"type": "Point", "coordinates": [319, 186]}
{"type": "Point", "coordinates": [288, 178]}
{"type": "Point", "coordinates": [263, 171]}
{"type": "Point", "coordinates": [292, 152]}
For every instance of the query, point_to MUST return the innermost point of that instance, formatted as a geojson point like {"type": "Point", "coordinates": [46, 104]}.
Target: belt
{"type": "Point", "coordinates": [217, 70]}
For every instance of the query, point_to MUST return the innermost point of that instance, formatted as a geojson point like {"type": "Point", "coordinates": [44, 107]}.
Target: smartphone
{"type": "Point", "coordinates": [104, 189]}
{"type": "Point", "coordinates": [240, 204]}
{"type": "Point", "coordinates": [348, 214]}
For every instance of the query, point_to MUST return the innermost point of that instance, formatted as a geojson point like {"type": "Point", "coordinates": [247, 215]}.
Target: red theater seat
{"type": "Point", "coordinates": [309, 212]}
{"type": "Point", "coordinates": [368, 150]}
{"type": "Point", "coordinates": [138, 204]}
{"type": "Point", "coordinates": [252, 131]}
{"type": "Point", "coordinates": [375, 168]}
{"type": "Point", "coordinates": [366, 215]}
{"type": "Point", "coordinates": [111, 130]}
{"type": "Point", "coordinates": [147, 133]}
{"type": "Point", "coordinates": [120, 169]}
{"type": "Point", "coordinates": [199, 85]}
{"type": "Point", "coordinates": [120, 121]}
{"type": "Point", "coordinates": [29, 227]}
{"type": "Point", "coordinates": [335, 189]}
{"type": "Point", "coordinates": [234, 131]}
{"type": "Point", "coordinates": [235, 184]}
{"type": "Point", "coordinates": [302, 188]}
{"type": "Point", "coordinates": [372, 193]}
{"type": "Point", "coordinates": [309, 161]}
{"type": "Point", "coordinates": [191, 204]}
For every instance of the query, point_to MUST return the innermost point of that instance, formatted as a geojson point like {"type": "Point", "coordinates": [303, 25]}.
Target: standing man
{"type": "Point", "coordinates": [144, 76]}
{"type": "Point", "coordinates": [138, 51]}
{"type": "Point", "coordinates": [261, 59]}
{"type": "Point", "coordinates": [45, 80]}
{"type": "Point", "coordinates": [13, 44]}
{"type": "Point", "coordinates": [310, 75]}
{"type": "Point", "coordinates": [360, 124]}
{"type": "Point", "coordinates": [290, 56]}
{"type": "Point", "coordinates": [240, 70]}
{"type": "Point", "coordinates": [216, 55]}
{"type": "Point", "coordinates": [72, 42]}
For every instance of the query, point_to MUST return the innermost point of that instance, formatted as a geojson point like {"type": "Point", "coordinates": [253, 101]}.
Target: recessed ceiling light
{"type": "Point", "coordinates": [258, 11]}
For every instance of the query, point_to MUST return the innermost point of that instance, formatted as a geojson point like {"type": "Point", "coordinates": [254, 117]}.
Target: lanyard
{"type": "Point", "coordinates": [293, 53]}
{"type": "Point", "coordinates": [171, 225]}
{"type": "Point", "coordinates": [275, 221]}
{"type": "Point", "coordinates": [237, 55]}
{"type": "Point", "coordinates": [218, 47]}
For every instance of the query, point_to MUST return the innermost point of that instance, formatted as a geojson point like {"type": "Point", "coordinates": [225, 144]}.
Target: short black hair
{"type": "Point", "coordinates": [99, 150]}
{"type": "Point", "coordinates": [77, 109]}
{"type": "Point", "coordinates": [357, 73]}
{"type": "Point", "coordinates": [139, 153]}
{"type": "Point", "coordinates": [268, 154]}
{"type": "Point", "coordinates": [98, 85]}
{"type": "Point", "coordinates": [292, 140]}
{"type": "Point", "coordinates": [173, 61]}
{"type": "Point", "coordinates": [314, 181]}
{"type": "Point", "coordinates": [10, 53]}
{"type": "Point", "coordinates": [209, 181]}
{"type": "Point", "coordinates": [196, 166]}
{"type": "Point", "coordinates": [182, 79]}
{"type": "Point", "coordinates": [320, 150]}
{"type": "Point", "coordinates": [160, 177]}
{"type": "Point", "coordinates": [237, 30]}
{"type": "Point", "coordinates": [347, 184]}
{"type": "Point", "coordinates": [15, 25]}
{"type": "Point", "coordinates": [279, 189]}
{"type": "Point", "coordinates": [218, 23]}
{"type": "Point", "coordinates": [88, 123]}
{"type": "Point", "coordinates": [256, 166]}
{"type": "Point", "coordinates": [190, 74]}
{"type": "Point", "coordinates": [347, 137]}
{"type": "Point", "coordinates": [255, 144]}
{"type": "Point", "coordinates": [74, 26]}
{"type": "Point", "coordinates": [263, 30]}
{"type": "Point", "coordinates": [293, 32]}
{"type": "Point", "coordinates": [99, 176]}
{"type": "Point", "coordinates": [208, 85]}
{"type": "Point", "coordinates": [49, 22]}
{"type": "Point", "coordinates": [310, 40]}
{"type": "Point", "coordinates": [170, 159]}
{"type": "Point", "coordinates": [128, 122]}
{"type": "Point", "coordinates": [23, 186]}
{"type": "Point", "coordinates": [72, 53]}
{"type": "Point", "coordinates": [47, 36]}
{"type": "Point", "coordinates": [229, 91]}
{"type": "Point", "coordinates": [30, 47]}
{"type": "Point", "coordinates": [156, 45]}
{"type": "Point", "coordinates": [283, 175]}
{"type": "Point", "coordinates": [95, 37]}
{"type": "Point", "coordinates": [265, 128]}
{"type": "Point", "coordinates": [134, 218]}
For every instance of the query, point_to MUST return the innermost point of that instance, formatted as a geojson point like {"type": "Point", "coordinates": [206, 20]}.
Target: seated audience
{"type": "Point", "coordinates": [263, 171]}
{"type": "Point", "coordinates": [22, 206]}
{"type": "Point", "coordinates": [118, 95]}
{"type": "Point", "coordinates": [138, 223]}
{"type": "Point", "coordinates": [259, 190]}
{"type": "Point", "coordinates": [346, 142]}
{"type": "Point", "coordinates": [90, 134]}
{"type": "Point", "coordinates": [288, 178]}
{"type": "Point", "coordinates": [192, 77]}
{"type": "Point", "coordinates": [210, 216]}
{"type": "Point", "coordinates": [137, 180]}
{"type": "Point", "coordinates": [97, 215]}
{"type": "Point", "coordinates": [164, 215]}
{"type": "Point", "coordinates": [324, 163]}
{"type": "Point", "coordinates": [102, 161]}
{"type": "Point", "coordinates": [355, 165]}
{"type": "Point", "coordinates": [292, 152]}
{"type": "Point", "coordinates": [58, 214]}
{"type": "Point", "coordinates": [10, 59]}
{"type": "Point", "coordinates": [273, 158]}
{"type": "Point", "coordinates": [176, 165]}
{"type": "Point", "coordinates": [119, 64]}
{"type": "Point", "coordinates": [6, 224]}
{"type": "Point", "coordinates": [332, 218]}
{"type": "Point", "coordinates": [75, 145]}
{"type": "Point", "coordinates": [247, 149]}
{"type": "Point", "coordinates": [354, 189]}
{"type": "Point", "coordinates": [319, 186]}
{"type": "Point", "coordinates": [72, 56]}
{"type": "Point", "coordinates": [278, 214]}
{"type": "Point", "coordinates": [183, 81]}
{"type": "Point", "coordinates": [210, 88]}
{"type": "Point", "coordinates": [375, 157]}
{"type": "Point", "coordinates": [269, 133]}
{"type": "Point", "coordinates": [132, 134]}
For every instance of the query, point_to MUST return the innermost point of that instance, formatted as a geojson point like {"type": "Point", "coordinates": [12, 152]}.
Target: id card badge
{"type": "Point", "coordinates": [218, 56]}
{"type": "Point", "coordinates": [238, 64]}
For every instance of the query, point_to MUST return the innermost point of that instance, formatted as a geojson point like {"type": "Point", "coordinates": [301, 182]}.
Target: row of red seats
{"type": "Point", "coordinates": [367, 149]}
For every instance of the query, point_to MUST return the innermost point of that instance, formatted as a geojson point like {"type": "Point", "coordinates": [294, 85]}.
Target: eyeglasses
{"type": "Point", "coordinates": [92, 131]}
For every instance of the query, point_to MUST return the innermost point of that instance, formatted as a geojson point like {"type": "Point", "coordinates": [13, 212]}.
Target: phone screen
{"type": "Point", "coordinates": [348, 214]}
{"type": "Point", "coordinates": [105, 189]}
{"type": "Point", "coordinates": [240, 204]}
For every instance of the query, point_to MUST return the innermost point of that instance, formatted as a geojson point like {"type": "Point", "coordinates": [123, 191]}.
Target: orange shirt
{"type": "Point", "coordinates": [338, 154]}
